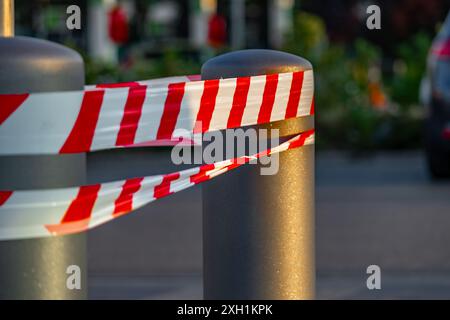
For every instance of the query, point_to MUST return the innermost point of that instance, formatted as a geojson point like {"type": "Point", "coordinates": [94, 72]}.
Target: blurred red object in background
{"type": "Point", "coordinates": [118, 25]}
{"type": "Point", "coordinates": [217, 31]}
{"type": "Point", "coordinates": [441, 49]}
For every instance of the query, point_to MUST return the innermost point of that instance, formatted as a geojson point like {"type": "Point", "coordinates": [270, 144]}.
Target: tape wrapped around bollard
{"type": "Point", "coordinates": [146, 113]}
{"type": "Point", "coordinates": [41, 213]}
{"type": "Point", "coordinates": [155, 112]}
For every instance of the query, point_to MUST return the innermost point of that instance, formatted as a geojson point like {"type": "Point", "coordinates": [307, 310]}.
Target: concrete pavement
{"type": "Point", "coordinates": [397, 285]}
{"type": "Point", "coordinates": [380, 210]}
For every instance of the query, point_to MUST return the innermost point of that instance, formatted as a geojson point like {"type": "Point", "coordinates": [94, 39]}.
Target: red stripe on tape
{"type": "Point", "coordinates": [201, 175]}
{"type": "Point", "coordinates": [9, 103]}
{"type": "Point", "coordinates": [311, 110]}
{"type": "Point", "coordinates": [300, 141]}
{"type": "Point", "coordinates": [235, 164]}
{"type": "Point", "coordinates": [171, 111]}
{"type": "Point", "coordinates": [81, 207]}
{"type": "Point", "coordinates": [4, 196]}
{"type": "Point", "coordinates": [131, 116]}
{"type": "Point", "coordinates": [78, 214]}
{"type": "Point", "coordinates": [239, 102]}
{"type": "Point", "coordinates": [270, 90]}
{"type": "Point", "coordinates": [124, 203]}
{"type": "Point", "coordinates": [163, 189]}
{"type": "Point", "coordinates": [207, 104]}
{"type": "Point", "coordinates": [294, 94]}
{"type": "Point", "coordinates": [80, 138]}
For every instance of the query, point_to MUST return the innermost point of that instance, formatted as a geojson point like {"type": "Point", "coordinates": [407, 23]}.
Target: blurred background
{"type": "Point", "coordinates": [368, 79]}
{"type": "Point", "coordinates": [378, 199]}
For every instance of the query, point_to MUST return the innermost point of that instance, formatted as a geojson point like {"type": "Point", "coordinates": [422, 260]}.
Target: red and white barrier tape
{"type": "Point", "coordinates": [41, 213]}
{"type": "Point", "coordinates": [154, 112]}
{"type": "Point", "coordinates": [151, 112]}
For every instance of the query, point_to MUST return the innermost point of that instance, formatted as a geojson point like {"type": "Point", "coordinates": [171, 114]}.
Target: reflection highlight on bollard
{"type": "Point", "coordinates": [36, 268]}
{"type": "Point", "coordinates": [258, 231]}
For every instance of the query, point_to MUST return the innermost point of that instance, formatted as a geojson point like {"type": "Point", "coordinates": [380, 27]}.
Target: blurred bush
{"type": "Point", "coordinates": [138, 67]}
{"type": "Point", "coordinates": [409, 69]}
{"type": "Point", "coordinates": [358, 107]}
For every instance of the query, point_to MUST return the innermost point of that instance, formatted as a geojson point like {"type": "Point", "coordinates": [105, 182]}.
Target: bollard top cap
{"type": "Point", "coordinates": [36, 65]}
{"type": "Point", "coordinates": [252, 63]}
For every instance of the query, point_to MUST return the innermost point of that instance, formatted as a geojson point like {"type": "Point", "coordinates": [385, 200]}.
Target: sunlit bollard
{"type": "Point", "coordinates": [36, 268]}
{"type": "Point", "coordinates": [258, 238]}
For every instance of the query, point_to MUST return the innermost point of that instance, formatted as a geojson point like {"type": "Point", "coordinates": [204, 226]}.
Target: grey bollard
{"type": "Point", "coordinates": [258, 231]}
{"type": "Point", "coordinates": [36, 268]}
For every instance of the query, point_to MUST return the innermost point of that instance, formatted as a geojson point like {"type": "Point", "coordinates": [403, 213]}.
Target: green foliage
{"type": "Point", "coordinates": [308, 38]}
{"type": "Point", "coordinates": [170, 63]}
{"type": "Point", "coordinates": [345, 116]}
{"type": "Point", "coordinates": [405, 83]}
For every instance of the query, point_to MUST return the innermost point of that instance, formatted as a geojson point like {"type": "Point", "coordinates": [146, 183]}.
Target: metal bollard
{"type": "Point", "coordinates": [36, 268]}
{"type": "Point", "coordinates": [258, 231]}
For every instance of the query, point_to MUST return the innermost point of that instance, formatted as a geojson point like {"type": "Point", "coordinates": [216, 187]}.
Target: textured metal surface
{"type": "Point", "coordinates": [36, 269]}
{"type": "Point", "coordinates": [258, 231]}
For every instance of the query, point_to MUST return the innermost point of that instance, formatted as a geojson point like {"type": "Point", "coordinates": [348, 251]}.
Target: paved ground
{"type": "Point", "coordinates": [420, 285]}
{"type": "Point", "coordinates": [377, 210]}
{"type": "Point", "coordinates": [382, 210]}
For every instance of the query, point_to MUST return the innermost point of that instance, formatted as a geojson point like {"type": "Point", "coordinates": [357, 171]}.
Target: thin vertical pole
{"type": "Point", "coordinates": [237, 24]}
{"type": "Point", "coordinates": [7, 18]}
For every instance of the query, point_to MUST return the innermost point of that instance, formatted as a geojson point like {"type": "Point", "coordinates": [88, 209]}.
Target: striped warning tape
{"type": "Point", "coordinates": [147, 113]}
{"type": "Point", "coordinates": [154, 112]}
{"type": "Point", "coordinates": [40, 213]}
